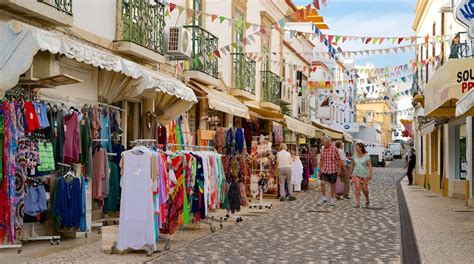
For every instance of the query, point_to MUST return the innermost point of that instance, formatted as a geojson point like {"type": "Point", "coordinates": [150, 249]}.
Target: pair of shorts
{"type": "Point", "coordinates": [362, 180]}
{"type": "Point", "coordinates": [331, 178]}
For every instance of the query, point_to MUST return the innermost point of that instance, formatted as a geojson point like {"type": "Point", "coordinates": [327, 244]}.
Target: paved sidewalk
{"type": "Point", "coordinates": [444, 227]}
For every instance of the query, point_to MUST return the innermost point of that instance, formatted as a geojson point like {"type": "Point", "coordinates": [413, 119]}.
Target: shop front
{"type": "Point", "coordinates": [83, 105]}
{"type": "Point", "coordinates": [465, 158]}
{"type": "Point", "coordinates": [447, 151]}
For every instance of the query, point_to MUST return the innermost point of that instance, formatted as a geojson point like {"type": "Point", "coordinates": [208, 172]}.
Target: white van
{"type": "Point", "coordinates": [376, 153]}
{"type": "Point", "coordinates": [396, 149]}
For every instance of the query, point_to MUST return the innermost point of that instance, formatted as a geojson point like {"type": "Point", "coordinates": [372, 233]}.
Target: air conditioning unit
{"type": "Point", "coordinates": [178, 43]}
{"type": "Point", "coordinates": [46, 72]}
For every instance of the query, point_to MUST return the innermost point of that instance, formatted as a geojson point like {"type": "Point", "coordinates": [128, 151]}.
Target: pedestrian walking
{"type": "Point", "coordinates": [361, 172]}
{"type": "Point", "coordinates": [410, 165]}
{"type": "Point", "coordinates": [344, 174]}
{"type": "Point", "coordinates": [329, 167]}
{"type": "Point", "coordinates": [284, 161]}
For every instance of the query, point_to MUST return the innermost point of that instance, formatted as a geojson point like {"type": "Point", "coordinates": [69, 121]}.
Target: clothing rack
{"type": "Point", "coordinates": [190, 146]}
{"type": "Point", "coordinates": [78, 101]}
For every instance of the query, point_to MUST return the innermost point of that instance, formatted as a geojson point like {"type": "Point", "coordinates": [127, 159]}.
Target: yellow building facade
{"type": "Point", "coordinates": [377, 112]}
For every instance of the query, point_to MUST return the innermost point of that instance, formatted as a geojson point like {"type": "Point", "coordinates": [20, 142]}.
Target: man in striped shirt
{"type": "Point", "coordinates": [329, 168]}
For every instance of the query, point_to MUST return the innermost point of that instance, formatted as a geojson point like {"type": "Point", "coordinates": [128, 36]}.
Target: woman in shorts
{"type": "Point", "coordinates": [361, 172]}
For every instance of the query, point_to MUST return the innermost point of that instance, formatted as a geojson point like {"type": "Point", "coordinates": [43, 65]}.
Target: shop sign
{"type": "Point", "coordinates": [465, 15]}
{"type": "Point", "coordinates": [349, 127]}
{"type": "Point", "coordinates": [466, 79]}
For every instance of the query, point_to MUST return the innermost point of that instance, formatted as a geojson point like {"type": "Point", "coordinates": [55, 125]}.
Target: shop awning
{"type": "Point", "coordinates": [428, 128]}
{"type": "Point", "coordinates": [348, 138]}
{"type": "Point", "coordinates": [328, 132]}
{"type": "Point", "coordinates": [300, 127]}
{"type": "Point", "coordinates": [447, 86]}
{"type": "Point", "coordinates": [408, 124]}
{"type": "Point", "coordinates": [19, 42]}
{"type": "Point", "coordinates": [261, 113]}
{"type": "Point", "coordinates": [465, 106]}
{"type": "Point", "coordinates": [222, 101]}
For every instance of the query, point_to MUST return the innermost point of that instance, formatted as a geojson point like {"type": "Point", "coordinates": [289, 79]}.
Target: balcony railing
{"type": "Point", "coordinates": [463, 49]}
{"type": "Point", "coordinates": [204, 44]}
{"type": "Point", "coordinates": [244, 73]}
{"type": "Point", "coordinates": [64, 6]}
{"type": "Point", "coordinates": [143, 23]}
{"type": "Point", "coordinates": [271, 86]}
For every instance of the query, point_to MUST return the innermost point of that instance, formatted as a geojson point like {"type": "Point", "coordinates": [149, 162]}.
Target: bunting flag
{"type": "Point", "coordinates": [316, 4]}
{"type": "Point", "coordinates": [172, 7]}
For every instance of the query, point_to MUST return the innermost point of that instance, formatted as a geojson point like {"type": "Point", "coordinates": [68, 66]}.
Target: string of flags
{"type": "Point", "coordinates": [297, 16]}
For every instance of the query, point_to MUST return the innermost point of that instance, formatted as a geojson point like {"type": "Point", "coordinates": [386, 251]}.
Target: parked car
{"type": "Point", "coordinates": [388, 155]}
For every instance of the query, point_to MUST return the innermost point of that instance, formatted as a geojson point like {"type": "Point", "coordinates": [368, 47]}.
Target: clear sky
{"type": "Point", "coordinates": [385, 18]}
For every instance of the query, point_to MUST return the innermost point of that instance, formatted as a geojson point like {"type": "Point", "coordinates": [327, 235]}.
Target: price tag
{"type": "Point", "coordinates": [31, 115]}
{"type": "Point", "coordinates": [65, 128]}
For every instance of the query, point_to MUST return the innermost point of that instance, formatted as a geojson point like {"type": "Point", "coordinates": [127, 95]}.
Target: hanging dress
{"type": "Point", "coordinates": [136, 226]}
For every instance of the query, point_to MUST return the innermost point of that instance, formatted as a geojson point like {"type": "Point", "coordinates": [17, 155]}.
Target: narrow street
{"type": "Point", "coordinates": [302, 231]}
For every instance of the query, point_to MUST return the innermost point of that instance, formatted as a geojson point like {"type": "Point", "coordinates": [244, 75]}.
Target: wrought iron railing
{"type": "Point", "coordinates": [244, 73]}
{"type": "Point", "coordinates": [463, 49]}
{"type": "Point", "coordinates": [204, 45]}
{"type": "Point", "coordinates": [143, 23]}
{"type": "Point", "coordinates": [64, 6]}
{"type": "Point", "coordinates": [271, 87]}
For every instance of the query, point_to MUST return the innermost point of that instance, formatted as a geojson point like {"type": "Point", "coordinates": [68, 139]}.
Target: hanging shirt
{"type": "Point", "coordinates": [72, 144]}
{"type": "Point", "coordinates": [105, 132]}
{"type": "Point", "coordinates": [68, 202]}
{"type": "Point", "coordinates": [86, 144]}
{"type": "Point", "coordinates": [100, 174]}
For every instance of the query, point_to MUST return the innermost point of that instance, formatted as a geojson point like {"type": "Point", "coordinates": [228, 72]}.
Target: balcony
{"type": "Point", "coordinates": [49, 12]}
{"type": "Point", "coordinates": [202, 66]}
{"type": "Point", "coordinates": [140, 30]}
{"type": "Point", "coordinates": [271, 91]}
{"type": "Point", "coordinates": [244, 76]}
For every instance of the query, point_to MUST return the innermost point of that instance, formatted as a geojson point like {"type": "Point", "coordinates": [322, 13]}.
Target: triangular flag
{"type": "Point", "coordinates": [308, 8]}
{"type": "Point", "coordinates": [381, 40]}
{"type": "Point", "coordinates": [167, 12]}
{"type": "Point", "coordinates": [330, 38]}
{"type": "Point", "coordinates": [321, 38]}
{"type": "Point", "coordinates": [217, 53]}
{"type": "Point", "coordinates": [368, 40]}
{"type": "Point", "coordinates": [394, 40]}
{"type": "Point", "coordinates": [221, 19]}
{"type": "Point", "coordinates": [324, 2]}
{"type": "Point", "coordinates": [316, 4]}
{"type": "Point", "coordinates": [282, 23]}
{"type": "Point", "coordinates": [375, 40]}
{"type": "Point", "coordinates": [181, 9]}
{"type": "Point", "coordinates": [213, 17]}
{"type": "Point", "coordinates": [247, 25]}
{"type": "Point", "coordinates": [413, 40]}
{"type": "Point", "coordinates": [238, 24]}
{"type": "Point", "coordinates": [343, 39]}
{"type": "Point", "coordinates": [172, 7]}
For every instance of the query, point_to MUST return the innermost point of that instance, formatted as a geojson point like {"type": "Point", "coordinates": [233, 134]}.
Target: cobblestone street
{"type": "Point", "coordinates": [302, 231]}
{"type": "Point", "coordinates": [299, 231]}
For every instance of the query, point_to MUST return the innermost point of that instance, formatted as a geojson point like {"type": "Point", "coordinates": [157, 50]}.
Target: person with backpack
{"type": "Point", "coordinates": [361, 173]}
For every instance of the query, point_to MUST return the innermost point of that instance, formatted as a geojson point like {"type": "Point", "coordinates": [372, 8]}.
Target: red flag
{"type": "Point", "coordinates": [172, 7]}
{"type": "Point", "coordinates": [321, 37]}
{"type": "Point", "coordinates": [400, 40]}
{"type": "Point", "coordinates": [316, 4]}
{"type": "Point", "coordinates": [217, 53]}
{"type": "Point", "coordinates": [325, 3]}
{"type": "Point", "coordinates": [368, 40]}
{"type": "Point", "coordinates": [308, 8]}
{"type": "Point", "coordinates": [330, 38]}
{"type": "Point", "coordinates": [213, 17]}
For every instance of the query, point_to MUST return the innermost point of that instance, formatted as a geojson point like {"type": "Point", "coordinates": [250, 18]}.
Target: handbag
{"type": "Point", "coordinates": [339, 186]}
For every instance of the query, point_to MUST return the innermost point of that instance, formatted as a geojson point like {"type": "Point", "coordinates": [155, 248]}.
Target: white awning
{"type": "Point", "coordinates": [465, 106]}
{"type": "Point", "coordinates": [300, 127]}
{"type": "Point", "coordinates": [223, 102]}
{"type": "Point", "coordinates": [19, 42]}
{"type": "Point", "coordinates": [428, 128]}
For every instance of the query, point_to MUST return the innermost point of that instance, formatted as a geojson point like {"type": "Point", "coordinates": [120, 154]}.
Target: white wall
{"type": "Point", "coordinates": [97, 17]}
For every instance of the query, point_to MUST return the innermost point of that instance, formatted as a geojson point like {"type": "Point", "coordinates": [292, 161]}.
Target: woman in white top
{"type": "Point", "coordinates": [284, 162]}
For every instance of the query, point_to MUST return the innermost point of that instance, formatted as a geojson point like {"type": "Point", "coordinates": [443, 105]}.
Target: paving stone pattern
{"type": "Point", "coordinates": [293, 232]}
{"type": "Point", "coordinates": [301, 231]}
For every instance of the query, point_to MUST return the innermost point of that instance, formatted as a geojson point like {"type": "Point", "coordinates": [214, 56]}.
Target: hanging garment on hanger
{"type": "Point", "coordinates": [35, 201]}
{"type": "Point", "coordinates": [46, 157]}
{"type": "Point", "coordinates": [32, 122]}
{"type": "Point", "coordinates": [95, 113]}
{"type": "Point", "coordinates": [41, 112]}
{"type": "Point", "coordinates": [105, 131]}
{"type": "Point", "coordinates": [148, 127]}
{"type": "Point", "coordinates": [239, 140]}
{"type": "Point", "coordinates": [100, 186]}
{"type": "Point", "coordinates": [58, 134]}
{"type": "Point", "coordinates": [162, 136]}
{"type": "Point", "coordinates": [68, 205]}
{"type": "Point", "coordinates": [86, 144]}
{"type": "Point", "coordinates": [72, 143]}
{"type": "Point", "coordinates": [112, 202]}
{"type": "Point", "coordinates": [136, 225]}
